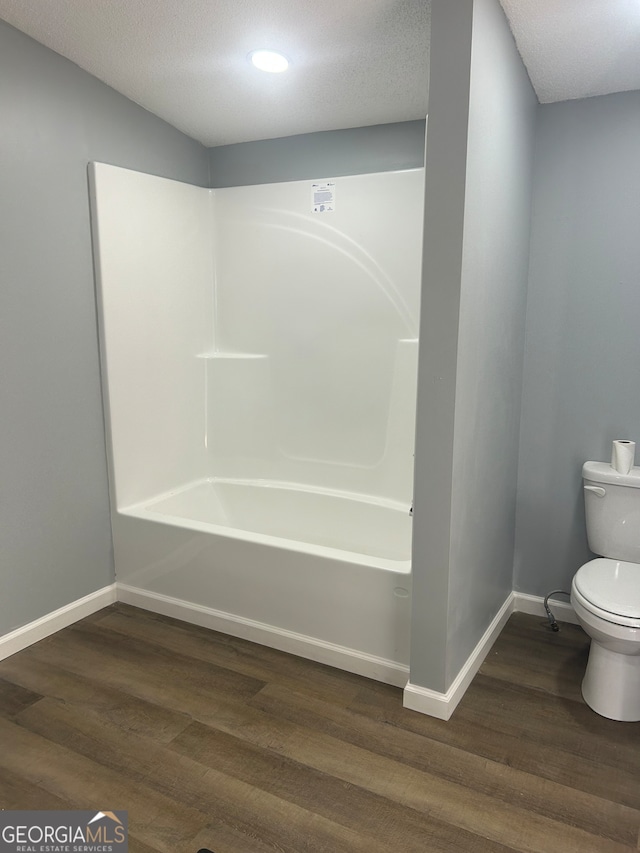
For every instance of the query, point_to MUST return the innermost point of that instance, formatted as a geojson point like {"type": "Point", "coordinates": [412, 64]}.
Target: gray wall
{"type": "Point", "coordinates": [495, 262]}
{"type": "Point", "coordinates": [357, 151]}
{"type": "Point", "coordinates": [55, 543]}
{"type": "Point", "coordinates": [478, 195]}
{"type": "Point", "coordinates": [445, 170]}
{"type": "Point", "coordinates": [582, 364]}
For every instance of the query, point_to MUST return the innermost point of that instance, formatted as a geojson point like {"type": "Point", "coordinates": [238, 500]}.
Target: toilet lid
{"type": "Point", "coordinates": [611, 585]}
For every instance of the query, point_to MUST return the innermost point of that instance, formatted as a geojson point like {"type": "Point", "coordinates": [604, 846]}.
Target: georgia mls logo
{"type": "Point", "coordinates": [63, 832]}
{"type": "Point", "coordinates": [101, 834]}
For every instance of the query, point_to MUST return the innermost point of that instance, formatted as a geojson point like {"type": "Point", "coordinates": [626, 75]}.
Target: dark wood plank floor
{"type": "Point", "coordinates": [209, 741]}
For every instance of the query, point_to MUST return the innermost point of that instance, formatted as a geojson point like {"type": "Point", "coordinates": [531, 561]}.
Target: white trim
{"type": "Point", "coordinates": [342, 657]}
{"type": "Point", "coordinates": [534, 604]}
{"type": "Point", "coordinates": [442, 705]}
{"type": "Point", "coordinates": [417, 698]}
{"type": "Point", "coordinates": [19, 639]}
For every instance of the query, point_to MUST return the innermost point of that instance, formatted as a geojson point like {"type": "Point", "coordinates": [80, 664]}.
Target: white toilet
{"type": "Point", "coordinates": [605, 592]}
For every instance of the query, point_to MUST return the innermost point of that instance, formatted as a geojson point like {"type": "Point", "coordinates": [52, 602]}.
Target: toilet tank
{"type": "Point", "coordinates": [612, 505]}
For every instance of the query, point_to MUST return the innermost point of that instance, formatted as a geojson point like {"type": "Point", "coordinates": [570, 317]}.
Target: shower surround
{"type": "Point", "coordinates": [259, 361]}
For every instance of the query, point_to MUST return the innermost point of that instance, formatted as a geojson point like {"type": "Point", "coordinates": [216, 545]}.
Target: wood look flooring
{"type": "Point", "coordinates": [210, 741]}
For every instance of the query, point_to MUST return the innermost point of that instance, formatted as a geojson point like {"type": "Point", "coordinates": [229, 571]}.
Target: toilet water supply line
{"type": "Point", "coordinates": [552, 622]}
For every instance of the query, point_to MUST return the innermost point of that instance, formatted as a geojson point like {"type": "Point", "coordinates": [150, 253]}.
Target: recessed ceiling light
{"type": "Point", "coordinates": [269, 60]}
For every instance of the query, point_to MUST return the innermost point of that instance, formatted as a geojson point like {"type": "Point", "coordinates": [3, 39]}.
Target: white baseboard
{"type": "Point", "coordinates": [534, 604]}
{"type": "Point", "coordinates": [442, 705]}
{"type": "Point", "coordinates": [351, 660]}
{"type": "Point", "coordinates": [19, 639]}
{"type": "Point", "coordinates": [417, 698]}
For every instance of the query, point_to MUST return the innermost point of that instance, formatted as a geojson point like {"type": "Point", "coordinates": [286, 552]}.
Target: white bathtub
{"type": "Point", "coordinates": [243, 336]}
{"type": "Point", "coordinates": [320, 521]}
{"type": "Point", "coordinates": [320, 573]}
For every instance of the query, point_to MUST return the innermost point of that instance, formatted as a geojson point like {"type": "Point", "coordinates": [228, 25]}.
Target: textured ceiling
{"type": "Point", "coordinates": [354, 62]}
{"type": "Point", "coordinates": [577, 48]}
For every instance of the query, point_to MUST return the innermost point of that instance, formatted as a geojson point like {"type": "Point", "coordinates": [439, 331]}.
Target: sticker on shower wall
{"type": "Point", "coordinates": [323, 197]}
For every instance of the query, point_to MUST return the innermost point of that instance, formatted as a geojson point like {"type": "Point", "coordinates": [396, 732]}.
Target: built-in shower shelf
{"type": "Point", "coordinates": [232, 355]}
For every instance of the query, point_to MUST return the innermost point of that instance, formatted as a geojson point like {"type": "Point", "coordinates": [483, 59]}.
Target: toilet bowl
{"type": "Point", "coordinates": [605, 592]}
{"type": "Point", "coordinates": [605, 595]}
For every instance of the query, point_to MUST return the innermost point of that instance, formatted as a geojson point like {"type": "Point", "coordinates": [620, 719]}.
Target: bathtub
{"type": "Point", "coordinates": [249, 346]}
{"type": "Point", "coordinates": [317, 572]}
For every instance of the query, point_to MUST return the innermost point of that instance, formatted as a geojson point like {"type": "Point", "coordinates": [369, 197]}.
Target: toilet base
{"type": "Point", "coordinates": [611, 685]}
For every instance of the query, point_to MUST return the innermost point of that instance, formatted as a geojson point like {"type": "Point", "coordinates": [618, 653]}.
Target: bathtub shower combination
{"type": "Point", "coordinates": [259, 359]}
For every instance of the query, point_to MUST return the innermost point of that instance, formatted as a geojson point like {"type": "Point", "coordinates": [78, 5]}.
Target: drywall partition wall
{"type": "Point", "coordinates": [445, 167]}
{"type": "Point", "coordinates": [353, 151]}
{"type": "Point", "coordinates": [582, 344]}
{"type": "Point", "coordinates": [502, 111]}
{"type": "Point", "coordinates": [55, 534]}
{"type": "Point", "coordinates": [153, 242]}
{"type": "Point", "coordinates": [322, 310]}
{"type": "Point", "coordinates": [478, 176]}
